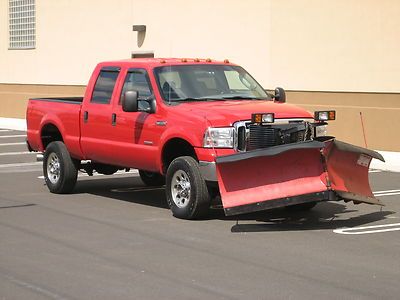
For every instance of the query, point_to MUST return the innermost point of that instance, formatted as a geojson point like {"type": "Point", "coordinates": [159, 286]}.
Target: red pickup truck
{"type": "Point", "coordinates": [203, 128]}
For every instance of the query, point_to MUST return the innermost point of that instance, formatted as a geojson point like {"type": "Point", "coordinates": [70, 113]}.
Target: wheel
{"type": "Point", "coordinates": [151, 178]}
{"type": "Point", "coordinates": [60, 171]}
{"type": "Point", "coordinates": [187, 193]}
{"type": "Point", "coordinates": [301, 207]}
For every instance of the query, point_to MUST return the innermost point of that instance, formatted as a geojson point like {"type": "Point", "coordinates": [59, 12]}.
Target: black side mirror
{"type": "Point", "coordinates": [280, 95]}
{"type": "Point", "coordinates": [130, 101]}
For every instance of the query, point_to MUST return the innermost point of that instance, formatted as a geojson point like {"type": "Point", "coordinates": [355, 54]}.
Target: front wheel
{"type": "Point", "coordinates": [187, 193]}
{"type": "Point", "coordinates": [60, 171]}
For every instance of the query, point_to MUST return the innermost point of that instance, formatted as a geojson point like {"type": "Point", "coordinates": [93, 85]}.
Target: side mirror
{"type": "Point", "coordinates": [280, 95]}
{"type": "Point", "coordinates": [130, 101]}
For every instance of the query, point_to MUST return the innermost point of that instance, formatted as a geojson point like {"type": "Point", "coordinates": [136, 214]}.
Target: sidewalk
{"type": "Point", "coordinates": [392, 158]}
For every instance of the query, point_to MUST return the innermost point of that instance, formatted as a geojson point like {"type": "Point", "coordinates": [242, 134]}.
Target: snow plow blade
{"type": "Point", "coordinates": [294, 173]}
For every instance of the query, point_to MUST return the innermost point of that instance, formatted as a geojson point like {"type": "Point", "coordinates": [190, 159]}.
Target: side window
{"type": "Point", "coordinates": [137, 80]}
{"type": "Point", "coordinates": [104, 87]}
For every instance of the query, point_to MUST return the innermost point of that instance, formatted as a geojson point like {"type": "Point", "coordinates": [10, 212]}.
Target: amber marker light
{"type": "Point", "coordinates": [184, 60]}
{"type": "Point", "coordinates": [196, 60]}
{"type": "Point", "coordinates": [208, 60]}
{"type": "Point", "coordinates": [226, 61]}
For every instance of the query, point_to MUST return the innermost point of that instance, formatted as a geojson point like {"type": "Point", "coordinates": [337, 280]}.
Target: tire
{"type": "Point", "coordinates": [187, 193]}
{"type": "Point", "coordinates": [301, 207]}
{"type": "Point", "coordinates": [60, 171]}
{"type": "Point", "coordinates": [151, 178]}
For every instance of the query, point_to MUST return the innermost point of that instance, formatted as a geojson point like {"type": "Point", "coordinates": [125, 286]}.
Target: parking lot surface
{"type": "Point", "coordinates": [114, 238]}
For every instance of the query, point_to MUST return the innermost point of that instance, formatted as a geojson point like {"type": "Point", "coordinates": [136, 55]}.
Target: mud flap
{"type": "Point", "coordinates": [293, 174]}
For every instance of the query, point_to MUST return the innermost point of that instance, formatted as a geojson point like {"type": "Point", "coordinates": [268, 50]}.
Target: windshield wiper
{"type": "Point", "coordinates": [197, 99]}
{"type": "Point", "coordinates": [243, 98]}
{"type": "Point", "coordinates": [188, 100]}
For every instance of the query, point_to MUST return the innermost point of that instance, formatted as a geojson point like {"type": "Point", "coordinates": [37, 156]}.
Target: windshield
{"type": "Point", "coordinates": [207, 82]}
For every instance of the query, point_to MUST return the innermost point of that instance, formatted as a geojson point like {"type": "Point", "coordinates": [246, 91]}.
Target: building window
{"type": "Point", "coordinates": [22, 24]}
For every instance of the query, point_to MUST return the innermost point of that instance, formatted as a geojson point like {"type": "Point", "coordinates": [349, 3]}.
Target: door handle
{"type": "Point", "coordinates": [85, 116]}
{"type": "Point", "coordinates": [114, 119]}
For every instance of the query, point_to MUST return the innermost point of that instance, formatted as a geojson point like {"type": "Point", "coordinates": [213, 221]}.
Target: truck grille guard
{"type": "Point", "coordinates": [254, 136]}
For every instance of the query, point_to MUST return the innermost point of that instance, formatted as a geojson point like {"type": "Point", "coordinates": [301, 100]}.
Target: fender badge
{"type": "Point", "coordinates": [161, 123]}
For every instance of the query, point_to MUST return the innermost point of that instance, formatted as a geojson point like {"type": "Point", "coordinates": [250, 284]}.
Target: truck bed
{"type": "Point", "coordinates": [72, 100]}
{"type": "Point", "coordinates": [62, 112]}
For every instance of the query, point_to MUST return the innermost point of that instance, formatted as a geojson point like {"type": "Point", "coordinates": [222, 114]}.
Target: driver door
{"type": "Point", "coordinates": [136, 134]}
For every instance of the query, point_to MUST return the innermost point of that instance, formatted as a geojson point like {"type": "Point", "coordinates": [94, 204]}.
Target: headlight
{"type": "Point", "coordinates": [263, 118]}
{"type": "Point", "coordinates": [325, 115]}
{"type": "Point", "coordinates": [321, 130]}
{"type": "Point", "coordinates": [218, 137]}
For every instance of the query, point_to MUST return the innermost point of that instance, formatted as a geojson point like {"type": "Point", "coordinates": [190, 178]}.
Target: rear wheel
{"type": "Point", "coordinates": [151, 178]}
{"type": "Point", "coordinates": [60, 171]}
{"type": "Point", "coordinates": [187, 193]}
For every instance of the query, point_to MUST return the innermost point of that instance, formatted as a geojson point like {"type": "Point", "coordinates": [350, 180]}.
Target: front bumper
{"type": "Point", "coordinates": [208, 170]}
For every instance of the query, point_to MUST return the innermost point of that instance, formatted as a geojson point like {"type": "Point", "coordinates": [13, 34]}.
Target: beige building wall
{"type": "Point", "coordinates": [309, 47]}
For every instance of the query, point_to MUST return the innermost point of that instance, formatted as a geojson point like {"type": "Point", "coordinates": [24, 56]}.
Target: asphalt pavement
{"type": "Point", "coordinates": [114, 238]}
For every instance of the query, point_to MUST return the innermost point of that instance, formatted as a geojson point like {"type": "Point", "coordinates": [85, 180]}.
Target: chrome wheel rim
{"type": "Point", "coordinates": [180, 188]}
{"type": "Point", "coordinates": [53, 168]}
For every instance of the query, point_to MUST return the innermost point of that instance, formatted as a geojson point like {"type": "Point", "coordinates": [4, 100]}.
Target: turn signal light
{"type": "Point", "coordinates": [263, 118]}
{"type": "Point", "coordinates": [325, 115]}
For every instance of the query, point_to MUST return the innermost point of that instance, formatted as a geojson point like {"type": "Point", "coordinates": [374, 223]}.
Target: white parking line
{"type": "Point", "coordinates": [5, 130]}
{"type": "Point", "coordinates": [12, 136]}
{"type": "Point", "coordinates": [386, 193]}
{"type": "Point", "coordinates": [20, 165]}
{"type": "Point", "coordinates": [374, 171]}
{"type": "Point", "coordinates": [15, 153]}
{"type": "Point", "coordinates": [12, 144]}
{"type": "Point", "coordinates": [361, 230]}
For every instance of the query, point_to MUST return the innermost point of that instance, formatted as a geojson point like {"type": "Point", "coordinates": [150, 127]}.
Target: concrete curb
{"type": "Point", "coordinates": [12, 123]}
{"type": "Point", "coordinates": [392, 158]}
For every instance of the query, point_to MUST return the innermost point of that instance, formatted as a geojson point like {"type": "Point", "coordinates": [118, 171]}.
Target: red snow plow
{"type": "Point", "coordinates": [289, 174]}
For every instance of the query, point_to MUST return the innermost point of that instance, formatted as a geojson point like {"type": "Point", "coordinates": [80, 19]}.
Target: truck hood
{"type": "Point", "coordinates": [223, 113]}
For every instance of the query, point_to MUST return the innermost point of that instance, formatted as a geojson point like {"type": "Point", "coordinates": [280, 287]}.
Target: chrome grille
{"type": "Point", "coordinates": [253, 136]}
{"type": "Point", "coordinates": [263, 137]}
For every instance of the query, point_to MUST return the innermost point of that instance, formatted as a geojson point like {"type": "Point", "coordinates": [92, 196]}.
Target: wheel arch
{"type": "Point", "coordinates": [50, 132]}
{"type": "Point", "coordinates": [173, 148]}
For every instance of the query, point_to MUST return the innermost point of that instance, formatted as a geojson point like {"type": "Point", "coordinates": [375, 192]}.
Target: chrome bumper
{"type": "Point", "coordinates": [208, 170]}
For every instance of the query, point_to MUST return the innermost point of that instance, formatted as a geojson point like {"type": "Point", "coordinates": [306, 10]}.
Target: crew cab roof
{"type": "Point", "coordinates": [159, 62]}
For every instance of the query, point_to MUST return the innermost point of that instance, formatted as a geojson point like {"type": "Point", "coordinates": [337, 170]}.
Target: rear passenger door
{"type": "Point", "coordinates": [96, 117]}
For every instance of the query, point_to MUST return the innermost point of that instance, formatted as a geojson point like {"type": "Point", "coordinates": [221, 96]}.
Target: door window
{"type": "Point", "coordinates": [137, 80]}
{"type": "Point", "coordinates": [104, 87]}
